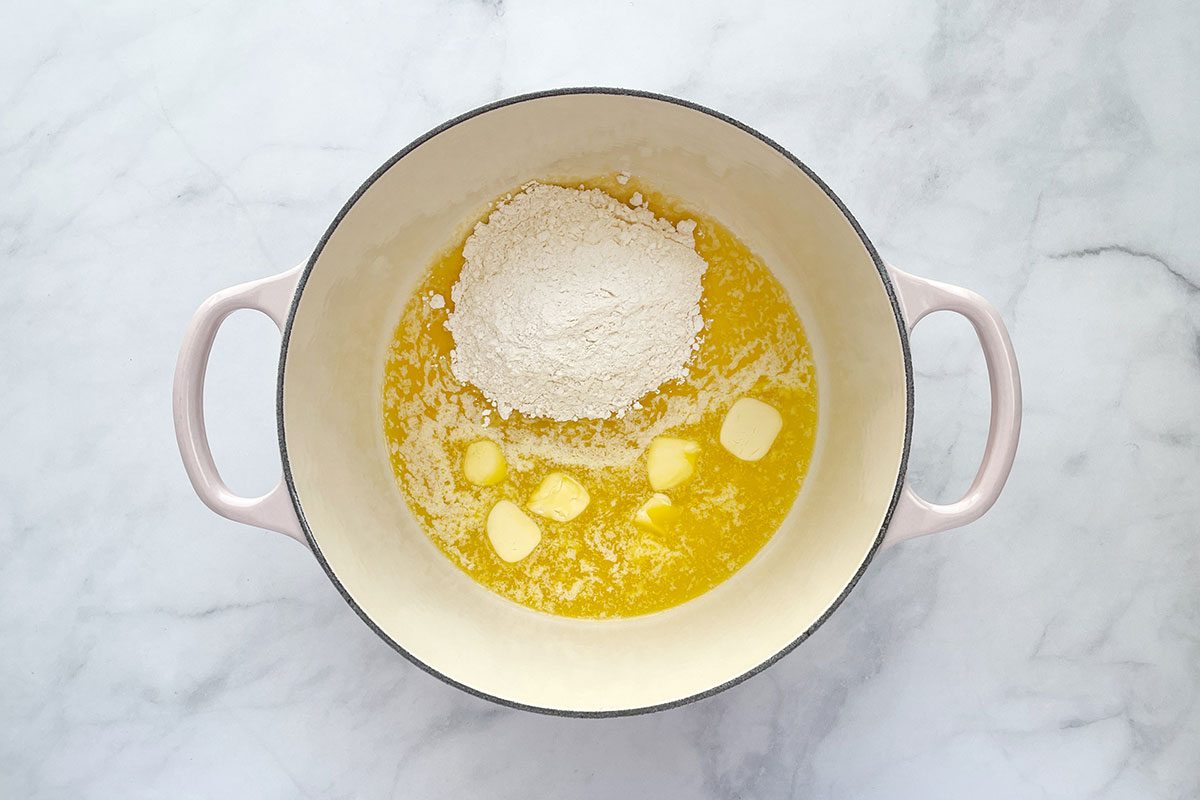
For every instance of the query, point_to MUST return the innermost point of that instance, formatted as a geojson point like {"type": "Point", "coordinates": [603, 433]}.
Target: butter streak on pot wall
{"type": "Point", "coordinates": [633, 549]}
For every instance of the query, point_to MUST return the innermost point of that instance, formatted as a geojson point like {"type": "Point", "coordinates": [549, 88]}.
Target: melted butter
{"type": "Point", "coordinates": [600, 564]}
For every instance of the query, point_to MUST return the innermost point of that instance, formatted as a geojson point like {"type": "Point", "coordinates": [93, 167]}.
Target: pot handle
{"type": "Point", "coordinates": [915, 516]}
{"type": "Point", "coordinates": [271, 296]}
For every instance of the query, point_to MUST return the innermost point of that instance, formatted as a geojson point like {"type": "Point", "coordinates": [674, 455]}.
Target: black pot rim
{"type": "Point", "coordinates": [888, 287]}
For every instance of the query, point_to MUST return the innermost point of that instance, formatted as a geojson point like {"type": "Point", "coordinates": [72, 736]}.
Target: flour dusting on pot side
{"type": "Point", "coordinates": [599, 403]}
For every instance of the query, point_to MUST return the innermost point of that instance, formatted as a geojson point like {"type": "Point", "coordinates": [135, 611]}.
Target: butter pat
{"type": "Point", "coordinates": [512, 533]}
{"type": "Point", "coordinates": [484, 464]}
{"type": "Point", "coordinates": [670, 462]}
{"type": "Point", "coordinates": [750, 428]}
{"type": "Point", "coordinates": [656, 514]}
{"type": "Point", "coordinates": [560, 498]}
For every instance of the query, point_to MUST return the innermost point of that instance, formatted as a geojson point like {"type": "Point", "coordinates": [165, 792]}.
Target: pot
{"type": "Point", "coordinates": [338, 495]}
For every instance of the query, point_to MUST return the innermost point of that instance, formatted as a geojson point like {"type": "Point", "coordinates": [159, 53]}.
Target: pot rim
{"type": "Point", "coordinates": [888, 287]}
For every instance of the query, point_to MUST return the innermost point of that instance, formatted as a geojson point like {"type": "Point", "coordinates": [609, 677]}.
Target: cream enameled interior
{"type": "Point", "coordinates": [334, 436]}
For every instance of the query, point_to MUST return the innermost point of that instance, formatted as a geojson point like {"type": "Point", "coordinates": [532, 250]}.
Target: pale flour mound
{"type": "Point", "coordinates": [572, 305]}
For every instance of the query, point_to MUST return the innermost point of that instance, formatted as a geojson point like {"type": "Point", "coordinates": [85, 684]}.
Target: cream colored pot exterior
{"type": "Point", "coordinates": [345, 503]}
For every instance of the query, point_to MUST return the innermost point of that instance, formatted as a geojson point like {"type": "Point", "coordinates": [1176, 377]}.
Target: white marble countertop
{"type": "Point", "coordinates": [1046, 155]}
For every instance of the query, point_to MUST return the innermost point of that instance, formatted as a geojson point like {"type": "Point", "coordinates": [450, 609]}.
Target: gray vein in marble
{"type": "Point", "coordinates": [1105, 249]}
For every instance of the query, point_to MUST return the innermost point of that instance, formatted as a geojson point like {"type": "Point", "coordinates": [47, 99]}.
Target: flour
{"type": "Point", "coordinates": [571, 305]}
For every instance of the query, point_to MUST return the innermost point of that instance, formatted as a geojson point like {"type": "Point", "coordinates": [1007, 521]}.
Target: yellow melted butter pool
{"type": "Point", "coordinates": [599, 564]}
